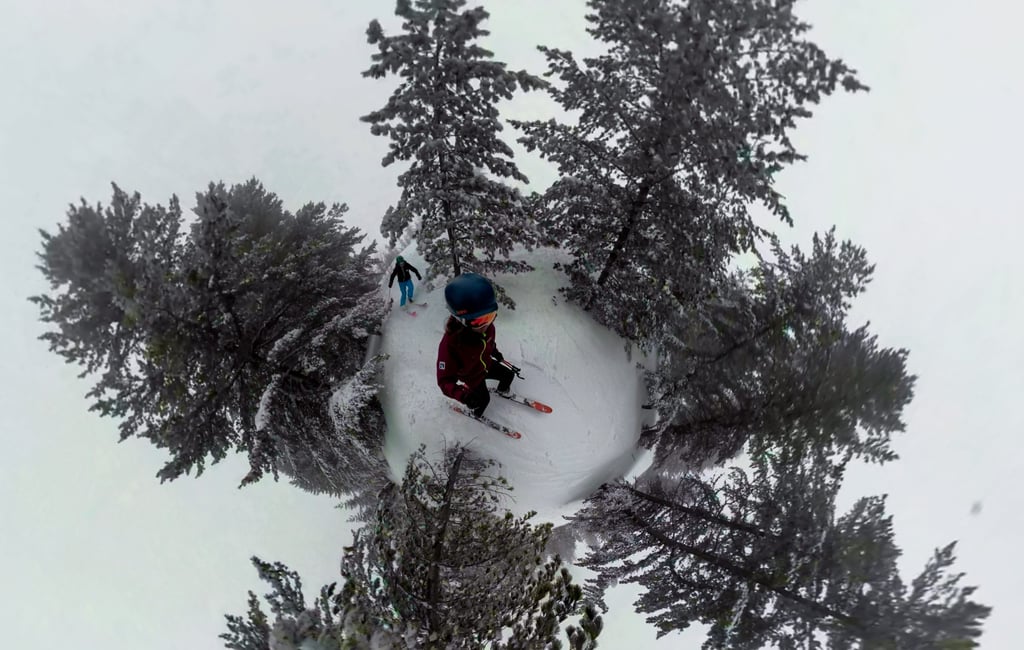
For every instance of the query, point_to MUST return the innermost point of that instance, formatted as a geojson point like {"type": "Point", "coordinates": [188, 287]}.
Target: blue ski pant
{"type": "Point", "coordinates": [406, 288]}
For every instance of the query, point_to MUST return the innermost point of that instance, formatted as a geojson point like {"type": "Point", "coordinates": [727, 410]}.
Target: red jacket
{"type": "Point", "coordinates": [464, 355]}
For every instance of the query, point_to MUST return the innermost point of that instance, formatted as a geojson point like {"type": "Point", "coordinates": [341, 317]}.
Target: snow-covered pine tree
{"type": "Point", "coordinates": [232, 335]}
{"type": "Point", "coordinates": [439, 567]}
{"type": "Point", "coordinates": [933, 611]}
{"type": "Point", "coordinates": [341, 424]}
{"type": "Point", "coordinates": [331, 623]}
{"type": "Point", "coordinates": [771, 362]}
{"type": "Point", "coordinates": [762, 560]}
{"type": "Point", "coordinates": [443, 558]}
{"type": "Point", "coordinates": [680, 127]}
{"type": "Point", "coordinates": [443, 118]}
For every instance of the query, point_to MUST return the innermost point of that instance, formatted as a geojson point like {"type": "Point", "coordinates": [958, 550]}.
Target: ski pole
{"type": "Point", "coordinates": [512, 368]}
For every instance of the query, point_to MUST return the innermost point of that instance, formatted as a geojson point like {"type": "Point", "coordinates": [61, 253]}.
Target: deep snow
{"type": "Point", "coordinates": [586, 373]}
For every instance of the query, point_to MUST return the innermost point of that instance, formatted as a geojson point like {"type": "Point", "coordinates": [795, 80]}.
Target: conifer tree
{"type": "Point", "coordinates": [761, 559]}
{"type": "Point", "coordinates": [443, 119]}
{"type": "Point", "coordinates": [440, 566]}
{"type": "Point", "coordinates": [443, 557]}
{"type": "Point", "coordinates": [681, 125]}
{"type": "Point", "coordinates": [230, 334]}
{"type": "Point", "coordinates": [331, 623]}
{"type": "Point", "coordinates": [771, 362]}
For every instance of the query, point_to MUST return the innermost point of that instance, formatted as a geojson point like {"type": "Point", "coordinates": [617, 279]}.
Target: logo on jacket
{"type": "Point", "coordinates": [440, 365]}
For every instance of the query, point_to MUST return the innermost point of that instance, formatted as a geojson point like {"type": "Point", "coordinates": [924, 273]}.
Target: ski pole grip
{"type": "Point", "coordinates": [512, 368]}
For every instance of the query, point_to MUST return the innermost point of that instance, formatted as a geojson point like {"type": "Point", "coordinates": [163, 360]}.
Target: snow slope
{"type": "Point", "coordinates": [582, 370]}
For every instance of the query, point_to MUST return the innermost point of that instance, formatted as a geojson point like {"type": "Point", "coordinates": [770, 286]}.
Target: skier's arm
{"type": "Point", "coordinates": [496, 354]}
{"type": "Point", "coordinates": [447, 375]}
{"type": "Point", "coordinates": [391, 280]}
{"type": "Point", "coordinates": [415, 270]}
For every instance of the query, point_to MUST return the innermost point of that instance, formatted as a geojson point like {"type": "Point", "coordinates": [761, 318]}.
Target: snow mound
{"type": "Point", "coordinates": [568, 361]}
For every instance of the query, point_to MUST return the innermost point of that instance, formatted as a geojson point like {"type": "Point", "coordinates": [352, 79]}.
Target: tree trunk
{"type": "Point", "coordinates": [623, 236]}
{"type": "Point", "coordinates": [456, 265]}
{"type": "Point", "coordinates": [442, 163]}
{"type": "Point", "coordinates": [437, 552]}
{"type": "Point", "coordinates": [702, 514]}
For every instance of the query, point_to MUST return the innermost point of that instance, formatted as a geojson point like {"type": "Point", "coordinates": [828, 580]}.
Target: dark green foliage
{"type": "Point", "coordinates": [232, 334]}
{"type": "Point", "coordinates": [681, 125]}
{"type": "Point", "coordinates": [251, 632]}
{"type": "Point", "coordinates": [443, 560]}
{"type": "Point", "coordinates": [770, 362]}
{"type": "Point", "coordinates": [701, 541]}
{"type": "Point", "coordinates": [443, 119]}
{"type": "Point", "coordinates": [324, 626]}
{"type": "Point", "coordinates": [760, 558]}
{"type": "Point", "coordinates": [440, 566]}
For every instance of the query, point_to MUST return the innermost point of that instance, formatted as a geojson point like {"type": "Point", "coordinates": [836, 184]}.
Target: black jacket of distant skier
{"type": "Point", "coordinates": [402, 273]}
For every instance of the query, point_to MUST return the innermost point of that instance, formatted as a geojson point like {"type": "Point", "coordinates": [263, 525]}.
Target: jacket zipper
{"type": "Point", "coordinates": [482, 350]}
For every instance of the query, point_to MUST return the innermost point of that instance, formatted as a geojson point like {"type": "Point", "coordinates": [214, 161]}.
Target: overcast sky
{"type": "Point", "coordinates": [162, 99]}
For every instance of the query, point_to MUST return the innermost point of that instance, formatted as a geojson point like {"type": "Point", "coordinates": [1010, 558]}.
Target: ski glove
{"type": "Point", "coordinates": [476, 398]}
{"type": "Point", "coordinates": [461, 392]}
{"type": "Point", "coordinates": [497, 356]}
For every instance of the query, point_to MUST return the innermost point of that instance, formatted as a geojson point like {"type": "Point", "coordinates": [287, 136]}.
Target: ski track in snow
{"type": "Point", "coordinates": [569, 362]}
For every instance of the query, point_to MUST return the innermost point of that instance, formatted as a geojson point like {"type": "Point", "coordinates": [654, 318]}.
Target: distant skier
{"type": "Point", "coordinates": [468, 355]}
{"type": "Point", "coordinates": [401, 271]}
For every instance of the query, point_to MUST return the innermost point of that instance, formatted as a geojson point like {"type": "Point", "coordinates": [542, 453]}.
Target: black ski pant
{"type": "Point", "coordinates": [478, 399]}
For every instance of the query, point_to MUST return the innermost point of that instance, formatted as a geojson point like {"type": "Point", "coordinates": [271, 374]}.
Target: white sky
{"type": "Point", "coordinates": [923, 172]}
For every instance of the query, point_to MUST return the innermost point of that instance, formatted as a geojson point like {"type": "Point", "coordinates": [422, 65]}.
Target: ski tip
{"type": "Point", "coordinates": [543, 408]}
{"type": "Point", "coordinates": [515, 434]}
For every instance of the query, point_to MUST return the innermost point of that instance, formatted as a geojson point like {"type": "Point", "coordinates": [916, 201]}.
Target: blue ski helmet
{"type": "Point", "coordinates": [469, 296]}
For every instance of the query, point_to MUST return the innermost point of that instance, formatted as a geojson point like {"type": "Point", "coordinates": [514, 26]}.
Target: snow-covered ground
{"type": "Point", "coordinates": [585, 372]}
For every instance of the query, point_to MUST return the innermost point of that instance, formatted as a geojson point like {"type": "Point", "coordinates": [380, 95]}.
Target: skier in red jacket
{"type": "Point", "coordinates": [468, 355]}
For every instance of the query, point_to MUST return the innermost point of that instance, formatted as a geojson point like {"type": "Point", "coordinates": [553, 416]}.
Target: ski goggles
{"type": "Point", "coordinates": [483, 321]}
